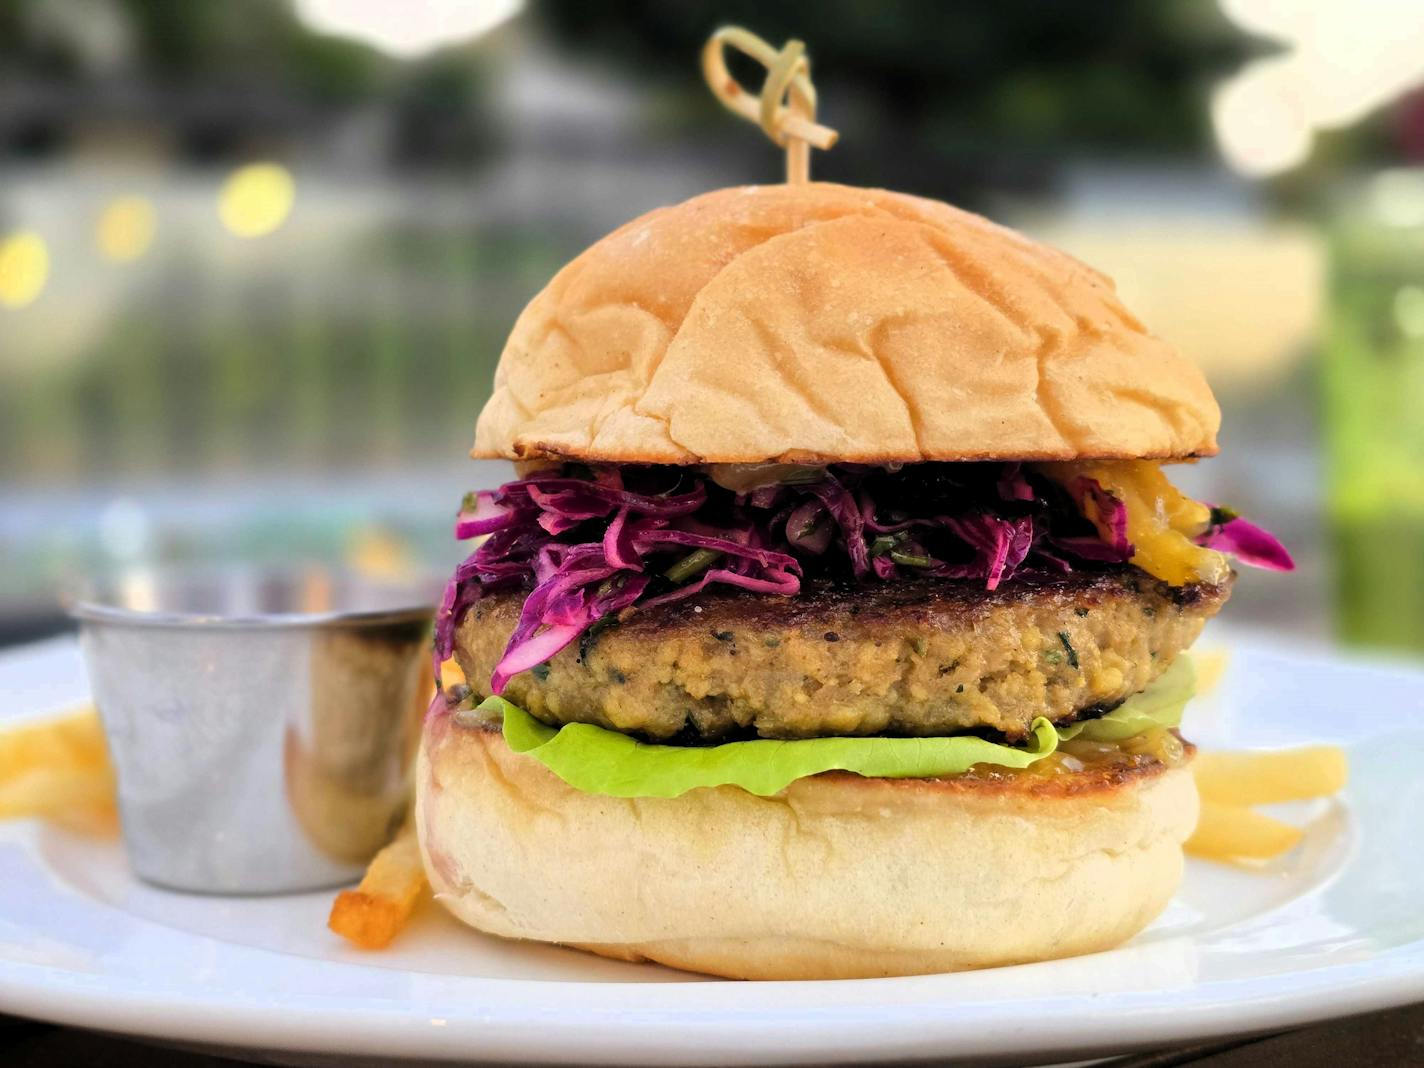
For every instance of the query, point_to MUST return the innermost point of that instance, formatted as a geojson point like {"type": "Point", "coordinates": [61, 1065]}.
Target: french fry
{"type": "Point", "coordinates": [71, 739]}
{"type": "Point", "coordinates": [58, 769]}
{"type": "Point", "coordinates": [44, 793]}
{"type": "Point", "coordinates": [1230, 832]}
{"type": "Point", "coordinates": [1210, 666]}
{"type": "Point", "coordinates": [1270, 778]}
{"type": "Point", "coordinates": [375, 912]}
{"type": "Point", "coordinates": [100, 821]}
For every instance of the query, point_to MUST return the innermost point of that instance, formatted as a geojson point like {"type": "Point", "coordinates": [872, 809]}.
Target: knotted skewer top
{"type": "Point", "coordinates": [786, 107]}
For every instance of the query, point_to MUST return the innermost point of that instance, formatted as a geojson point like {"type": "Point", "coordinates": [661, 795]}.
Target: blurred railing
{"type": "Point", "coordinates": [365, 344]}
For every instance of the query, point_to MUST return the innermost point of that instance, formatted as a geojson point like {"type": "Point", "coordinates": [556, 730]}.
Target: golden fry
{"type": "Point", "coordinates": [72, 740]}
{"type": "Point", "coordinates": [1230, 832]}
{"type": "Point", "coordinates": [45, 793]}
{"type": "Point", "coordinates": [1269, 778]}
{"type": "Point", "coordinates": [1209, 665]}
{"type": "Point", "coordinates": [374, 913]}
{"type": "Point", "coordinates": [100, 821]}
{"type": "Point", "coordinates": [58, 769]}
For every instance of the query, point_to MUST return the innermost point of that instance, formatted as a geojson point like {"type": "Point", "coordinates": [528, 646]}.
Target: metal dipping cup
{"type": "Point", "coordinates": [262, 724]}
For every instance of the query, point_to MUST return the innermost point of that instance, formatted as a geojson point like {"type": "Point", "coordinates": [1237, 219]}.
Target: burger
{"type": "Point", "coordinates": [832, 624]}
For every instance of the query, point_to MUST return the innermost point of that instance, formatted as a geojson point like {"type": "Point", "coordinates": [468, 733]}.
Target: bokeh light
{"type": "Point", "coordinates": [411, 29]}
{"type": "Point", "coordinates": [24, 268]}
{"type": "Point", "coordinates": [256, 199]}
{"type": "Point", "coordinates": [125, 229]}
{"type": "Point", "coordinates": [1260, 121]}
{"type": "Point", "coordinates": [1338, 60]}
{"type": "Point", "coordinates": [1397, 197]}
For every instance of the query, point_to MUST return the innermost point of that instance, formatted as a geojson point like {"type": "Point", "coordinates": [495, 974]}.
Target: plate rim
{"type": "Point", "coordinates": [685, 1024]}
{"type": "Point", "coordinates": [324, 1024]}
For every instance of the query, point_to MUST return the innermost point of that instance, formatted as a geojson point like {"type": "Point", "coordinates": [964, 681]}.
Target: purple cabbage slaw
{"type": "Point", "coordinates": [587, 543]}
{"type": "Point", "coordinates": [1249, 543]}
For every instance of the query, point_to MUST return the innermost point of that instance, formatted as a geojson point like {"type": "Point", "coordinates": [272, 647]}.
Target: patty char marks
{"type": "Point", "coordinates": [908, 658]}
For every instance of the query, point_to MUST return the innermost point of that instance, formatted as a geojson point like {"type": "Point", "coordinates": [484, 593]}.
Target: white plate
{"type": "Point", "coordinates": [1337, 927]}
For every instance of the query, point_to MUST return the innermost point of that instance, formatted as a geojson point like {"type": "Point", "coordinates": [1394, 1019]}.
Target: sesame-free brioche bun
{"type": "Point", "coordinates": [822, 323]}
{"type": "Point", "coordinates": [836, 877]}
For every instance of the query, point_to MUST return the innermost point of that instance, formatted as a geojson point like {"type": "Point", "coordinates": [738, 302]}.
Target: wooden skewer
{"type": "Point", "coordinates": [786, 107]}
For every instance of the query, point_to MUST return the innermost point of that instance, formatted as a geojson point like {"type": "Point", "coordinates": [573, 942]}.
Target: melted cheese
{"type": "Point", "coordinates": [1161, 522]}
{"type": "Point", "coordinates": [451, 675]}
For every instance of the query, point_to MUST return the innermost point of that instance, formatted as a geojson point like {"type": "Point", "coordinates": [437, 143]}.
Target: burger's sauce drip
{"type": "Point", "coordinates": [1161, 522]}
{"type": "Point", "coordinates": [1161, 745]}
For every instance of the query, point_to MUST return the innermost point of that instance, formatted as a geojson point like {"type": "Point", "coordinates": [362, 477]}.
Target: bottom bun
{"type": "Point", "coordinates": [838, 876]}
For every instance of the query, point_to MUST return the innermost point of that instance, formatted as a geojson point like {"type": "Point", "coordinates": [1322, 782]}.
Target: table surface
{"type": "Point", "coordinates": [1378, 1040]}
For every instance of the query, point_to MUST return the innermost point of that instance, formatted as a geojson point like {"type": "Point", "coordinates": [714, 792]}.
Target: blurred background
{"type": "Point", "coordinates": [257, 259]}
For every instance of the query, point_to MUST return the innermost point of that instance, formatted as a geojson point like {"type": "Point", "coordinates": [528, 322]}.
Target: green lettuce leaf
{"type": "Point", "coordinates": [600, 761]}
{"type": "Point", "coordinates": [1160, 705]}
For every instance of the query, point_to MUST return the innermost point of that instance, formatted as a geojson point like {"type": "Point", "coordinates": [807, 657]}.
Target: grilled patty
{"type": "Point", "coordinates": [905, 658]}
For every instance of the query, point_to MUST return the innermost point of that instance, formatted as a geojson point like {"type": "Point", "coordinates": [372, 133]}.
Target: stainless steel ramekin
{"type": "Point", "coordinates": [261, 724]}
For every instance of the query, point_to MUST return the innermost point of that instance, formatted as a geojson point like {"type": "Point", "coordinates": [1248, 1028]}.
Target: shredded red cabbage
{"type": "Point", "coordinates": [1111, 513]}
{"type": "Point", "coordinates": [586, 543]}
{"type": "Point", "coordinates": [1253, 545]}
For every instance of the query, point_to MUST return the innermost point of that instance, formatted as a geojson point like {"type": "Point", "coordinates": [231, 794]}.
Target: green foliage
{"type": "Point", "coordinates": [1014, 74]}
{"type": "Point", "coordinates": [248, 43]}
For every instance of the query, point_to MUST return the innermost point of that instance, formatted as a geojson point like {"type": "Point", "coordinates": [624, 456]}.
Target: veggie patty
{"type": "Point", "coordinates": [911, 658]}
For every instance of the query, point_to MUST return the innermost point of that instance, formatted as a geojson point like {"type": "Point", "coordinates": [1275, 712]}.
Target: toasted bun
{"type": "Point", "coordinates": [837, 877]}
{"type": "Point", "coordinates": [821, 323]}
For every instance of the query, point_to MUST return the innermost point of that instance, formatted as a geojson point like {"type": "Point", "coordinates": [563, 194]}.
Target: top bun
{"type": "Point", "coordinates": [819, 323]}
